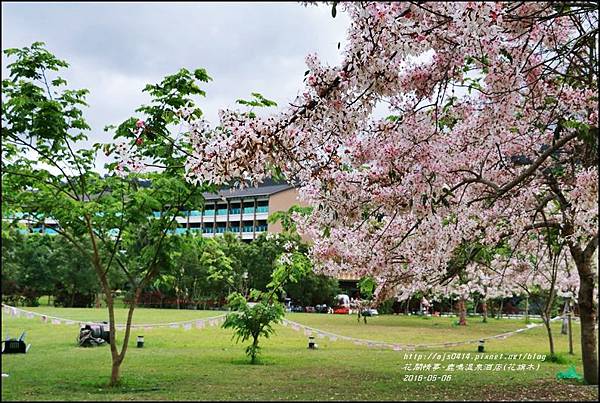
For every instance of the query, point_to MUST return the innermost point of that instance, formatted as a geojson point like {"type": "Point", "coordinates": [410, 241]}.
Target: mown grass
{"type": "Point", "coordinates": [205, 364]}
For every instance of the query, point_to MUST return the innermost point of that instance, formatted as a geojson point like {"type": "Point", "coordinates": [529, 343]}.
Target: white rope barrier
{"type": "Point", "coordinates": [186, 324]}
{"type": "Point", "coordinates": [308, 330]}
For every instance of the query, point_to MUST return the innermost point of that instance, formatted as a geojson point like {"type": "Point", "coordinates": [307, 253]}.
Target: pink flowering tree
{"type": "Point", "coordinates": [545, 271]}
{"type": "Point", "coordinates": [491, 134]}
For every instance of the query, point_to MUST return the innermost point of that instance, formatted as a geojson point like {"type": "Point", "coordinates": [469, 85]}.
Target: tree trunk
{"type": "Point", "coordinates": [484, 310]}
{"type": "Point", "coordinates": [492, 308]}
{"type": "Point", "coordinates": [547, 313]}
{"type": "Point", "coordinates": [587, 314]}
{"type": "Point", "coordinates": [114, 375]}
{"type": "Point", "coordinates": [254, 350]}
{"type": "Point", "coordinates": [527, 309]}
{"type": "Point", "coordinates": [564, 329]}
{"type": "Point", "coordinates": [570, 330]}
{"type": "Point", "coordinates": [587, 309]}
{"type": "Point", "coordinates": [500, 310]}
{"type": "Point", "coordinates": [549, 330]}
{"type": "Point", "coordinates": [462, 310]}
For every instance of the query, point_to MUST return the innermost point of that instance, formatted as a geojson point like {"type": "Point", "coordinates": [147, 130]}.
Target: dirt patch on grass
{"type": "Point", "coordinates": [541, 390]}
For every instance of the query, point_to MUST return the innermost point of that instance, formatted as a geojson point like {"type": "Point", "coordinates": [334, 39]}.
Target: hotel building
{"type": "Point", "coordinates": [241, 211]}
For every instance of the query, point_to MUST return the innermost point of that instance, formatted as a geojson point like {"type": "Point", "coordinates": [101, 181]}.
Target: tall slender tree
{"type": "Point", "coordinates": [49, 171]}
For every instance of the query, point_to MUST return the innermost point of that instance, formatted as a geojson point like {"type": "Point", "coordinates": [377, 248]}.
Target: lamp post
{"type": "Point", "coordinates": [480, 348]}
{"type": "Point", "coordinates": [311, 343]}
{"type": "Point", "coordinates": [140, 341]}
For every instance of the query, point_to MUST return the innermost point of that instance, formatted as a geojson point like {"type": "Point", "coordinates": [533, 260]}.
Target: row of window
{"type": "Point", "coordinates": [208, 212]}
{"type": "Point", "coordinates": [223, 211]}
{"type": "Point", "coordinates": [221, 230]}
{"type": "Point", "coordinates": [205, 230]}
{"type": "Point", "coordinates": [38, 230]}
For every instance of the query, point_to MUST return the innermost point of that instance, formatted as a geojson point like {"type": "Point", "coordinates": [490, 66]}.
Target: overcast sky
{"type": "Point", "coordinates": [114, 49]}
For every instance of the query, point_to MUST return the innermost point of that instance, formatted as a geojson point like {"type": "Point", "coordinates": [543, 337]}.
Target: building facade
{"type": "Point", "coordinates": [244, 212]}
{"type": "Point", "coordinates": [241, 211]}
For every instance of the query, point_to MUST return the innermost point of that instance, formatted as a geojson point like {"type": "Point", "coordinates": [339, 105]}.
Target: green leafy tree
{"type": "Point", "coordinates": [366, 286]}
{"type": "Point", "coordinates": [286, 218]}
{"type": "Point", "coordinates": [11, 238]}
{"type": "Point", "coordinates": [75, 283]}
{"type": "Point", "coordinates": [49, 171]}
{"type": "Point", "coordinates": [219, 269]}
{"type": "Point", "coordinates": [314, 289]}
{"type": "Point", "coordinates": [29, 269]}
{"type": "Point", "coordinates": [251, 320]}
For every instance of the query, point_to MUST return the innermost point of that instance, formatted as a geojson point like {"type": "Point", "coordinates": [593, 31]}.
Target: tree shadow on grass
{"type": "Point", "coordinates": [260, 362]}
{"type": "Point", "coordinates": [126, 385]}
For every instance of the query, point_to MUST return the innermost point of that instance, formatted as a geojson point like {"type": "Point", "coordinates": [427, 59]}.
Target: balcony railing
{"type": "Point", "coordinates": [212, 212]}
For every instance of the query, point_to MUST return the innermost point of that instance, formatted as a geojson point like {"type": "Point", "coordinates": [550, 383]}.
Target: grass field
{"type": "Point", "coordinates": [205, 364]}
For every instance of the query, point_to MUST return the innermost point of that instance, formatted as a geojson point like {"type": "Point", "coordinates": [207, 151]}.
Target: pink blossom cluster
{"type": "Point", "coordinates": [481, 115]}
{"type": "Point", "coordinates": [127, 160]}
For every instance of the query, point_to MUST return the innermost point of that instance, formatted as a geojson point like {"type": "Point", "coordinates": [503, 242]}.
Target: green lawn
{"type": "Point", "coordinates": [205, 364]}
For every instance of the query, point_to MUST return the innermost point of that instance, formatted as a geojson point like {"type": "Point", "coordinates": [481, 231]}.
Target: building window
{"type": "Point", "coordinates": [261, 226]}
{"type": "Point", "coordinates": [234, 208]}
{"type": "Point", "coordinates": [209, 210]}
{"type": "Point", "coordinates": [247, 226]}
{"type": "Point", "coordinates": [248, 207]}
{"type": "Point", "coordinates": [221, 210]}
{"type": "Point", "coordinates": [220, 228]}
{"type": "Point", "coordinates": [263, 206]}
